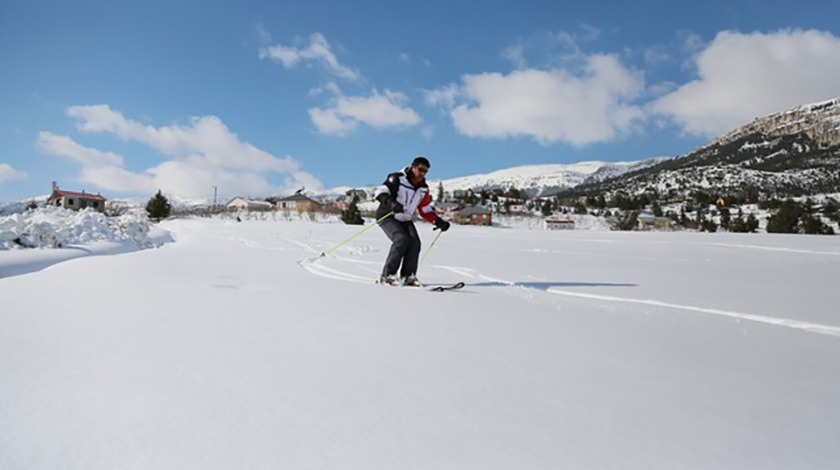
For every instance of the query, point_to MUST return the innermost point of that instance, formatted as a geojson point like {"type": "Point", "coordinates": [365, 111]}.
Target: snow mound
{"type": "Point", "coordinates": [56, 227]}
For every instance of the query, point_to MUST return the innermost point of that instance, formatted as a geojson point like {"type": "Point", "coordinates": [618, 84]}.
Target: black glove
{"type": "Point", "coordinates": [441, 224]}
{"type": "Point", "coordinates": [386, 205]}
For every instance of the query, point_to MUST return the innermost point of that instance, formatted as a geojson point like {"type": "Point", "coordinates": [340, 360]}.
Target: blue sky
{"type": "Point", "coordinates": [260, 98]}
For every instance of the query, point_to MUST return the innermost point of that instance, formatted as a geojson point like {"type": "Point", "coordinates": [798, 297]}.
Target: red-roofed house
{"type": "Point", "coordinates": [76, 201]}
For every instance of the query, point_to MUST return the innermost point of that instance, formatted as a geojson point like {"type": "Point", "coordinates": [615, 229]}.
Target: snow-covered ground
{"type": "Point", "coordinates": [236, 346]}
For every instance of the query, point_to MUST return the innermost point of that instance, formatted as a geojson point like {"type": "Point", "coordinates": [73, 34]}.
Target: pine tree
{"type": "Point", "coordinates": [352, 216]}
{"type": "Point", "coordinates": [158, 207]}
{"type": "Point", "coordinates": [546, 209]}
{"type": "Point", "coordinates": [657, 209]}
{"type": "Point", "coordinates": [786, 219]}
{"type": "Point", "coordinates": [752, 223]}
{"type": "Point", "coordinates": [440, 194]}
{"type": "Point", "coordinates": [725, 217]}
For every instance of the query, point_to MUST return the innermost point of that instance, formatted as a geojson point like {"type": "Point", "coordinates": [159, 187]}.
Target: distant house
{"type": "Point", "coordinates": [76, 201]}
{"type": "Point", "coordinates": [248, 205]}
{"type": "Point", "coordinates": [298, 202]}
{"type": "Point", "coordinates": [559, 224]}
{"type": "Point", "coordinates": [447, 209]}
{"type": "Point", "coordinates": [650, 222]}
{"type": "Point", "coordinates": [517, 208]}
{"type": "Point", "coordinates": [475, 215]}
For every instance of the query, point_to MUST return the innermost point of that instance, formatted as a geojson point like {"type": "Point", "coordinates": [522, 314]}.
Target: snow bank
{"type": "Point", "coordinates": [56, 227]}
{"type": "Point", "coordinates": [60, 235]}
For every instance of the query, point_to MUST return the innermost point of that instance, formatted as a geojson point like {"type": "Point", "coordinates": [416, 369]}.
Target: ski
{"type": "Point", "coordinates": [443, 287]}
{"type": "Point", "coordinates": [430, 287]}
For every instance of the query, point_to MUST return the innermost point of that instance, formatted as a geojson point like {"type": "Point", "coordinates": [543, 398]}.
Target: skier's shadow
{"type": "Point", "coordinates": [544, 286]}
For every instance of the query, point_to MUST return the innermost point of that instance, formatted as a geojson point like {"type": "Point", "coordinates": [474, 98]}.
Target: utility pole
{"type": "Point", "coordinates": [215, 192]}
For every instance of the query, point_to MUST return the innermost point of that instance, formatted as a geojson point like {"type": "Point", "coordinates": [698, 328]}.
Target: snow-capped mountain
{"type": "Point", "coordinates": [791, 153]}
{"type": "Point", "coordinates": [538, 180]}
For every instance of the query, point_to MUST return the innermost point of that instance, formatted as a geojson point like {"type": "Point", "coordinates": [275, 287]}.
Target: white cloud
{"type": "Point", "coordinates": [318, 50]}
{"type": "Point", "coordinates": [203, 154]}
{"type": "Point", "coordinates": [515, 55]}
{"type": "Point", "coordinates": [66, 147]}
{"type": "Point", "coordinates": [548, 105]}
{"type": "Point", "coordinates": [7, 173]}
{"type": "Point", "coordinates": [444, 97]}
{"type": "Point", "coordinates": [380, 111]}
{"type": "Point", "coordinates": [206, 138]}
{"type": "Point", "coordinates": [744, 76]}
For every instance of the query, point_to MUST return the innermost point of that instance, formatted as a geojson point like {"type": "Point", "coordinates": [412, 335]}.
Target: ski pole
{"type": "Point", "coordinates": [429, 248]}
{"type": "Point", "coordinates": [356, 235]}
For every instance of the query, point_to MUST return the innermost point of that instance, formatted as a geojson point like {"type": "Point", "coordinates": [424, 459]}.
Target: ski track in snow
{"type": "Point", "coordinates": [315, 267]}
{"type": "Point", "coordinates": [778, 249]}
{"type": "Point", "coordinates": [795, 324]}
{"type": "Point", "coordinates": [783, 322]}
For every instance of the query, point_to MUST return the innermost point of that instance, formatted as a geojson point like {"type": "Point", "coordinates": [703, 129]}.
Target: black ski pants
{"type": "Point", "coordinates": [405, 247]}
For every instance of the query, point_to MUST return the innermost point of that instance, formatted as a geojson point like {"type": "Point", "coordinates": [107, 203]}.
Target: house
{"type": "Point", "coordinates": [298, 202]}
{"type": "Point", "coordinates": [651, 222]}
{"type": "Point", "coordinates": [475, 215]}
{"type": "Point", "coordinates": [248, 205]}
{"type": "Point", "coordinates": [76, 201]}
{"type": "Point", "coordinates": [447, 210]}
{"type": "Point", "coordinates": [559, 224]}
{"type": "Point", "coordinates": [517, 208]}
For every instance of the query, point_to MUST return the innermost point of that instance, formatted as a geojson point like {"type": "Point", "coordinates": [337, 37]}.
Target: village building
{"type": "Point", "coordinates": [559, 224]}
{"type": "Point", "coordinates": [76, 201]}
{"type": "Point", "coordinates": [475, 215]}
{"type": "Point", "coordinates": [248, 205]}
{"type": "Point", "coordinates": [299, 203]}
{"type": "Point", "coordinates": [651, 222]}
{"type": "Point", "coordinates": [447, 210]}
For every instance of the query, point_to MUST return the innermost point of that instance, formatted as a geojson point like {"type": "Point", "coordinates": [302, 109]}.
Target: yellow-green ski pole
{"type": "Point", "coordinates": [356, 235]}
{"type": "Point", "coordinates": [429, 249]}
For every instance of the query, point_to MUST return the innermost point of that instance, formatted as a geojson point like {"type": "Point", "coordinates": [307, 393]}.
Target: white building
{"type": "Point", "coordinates": [243, 204]}
{"type": "Point", "coordinates": [559, 224]}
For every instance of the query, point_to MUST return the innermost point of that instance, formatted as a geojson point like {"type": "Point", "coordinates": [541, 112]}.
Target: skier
{"type": "Point", "coordinates": [404, 193]}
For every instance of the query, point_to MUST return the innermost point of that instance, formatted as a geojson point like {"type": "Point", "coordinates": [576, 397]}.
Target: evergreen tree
{"type": "Point", "coordinates": [752, 223]}
{"type": "Point", "coordinates": [352, 216]}
{"type": "Point", "coordinates": [440, 193]}
{"type": "Point", "coordinates": [737, 225]}
{"type": "Point", "coordinates": [815, 226]}
{"type": "Point", "coordinates": [546, 208]}
{"type": "Point", "coordinates": [158, 207]}
{"type": "Point", "coordinates": [725, 217]}
{"type": "Point", "coordinates": [786, 219]}
{"type": "Point", "coordinates": [657, 209]}
{"type": "Point", "coordinates": [709, 225]}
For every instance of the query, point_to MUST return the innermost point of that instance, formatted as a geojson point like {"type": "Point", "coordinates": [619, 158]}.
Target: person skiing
{"type": "Point", "coordinates": [405, 192]}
